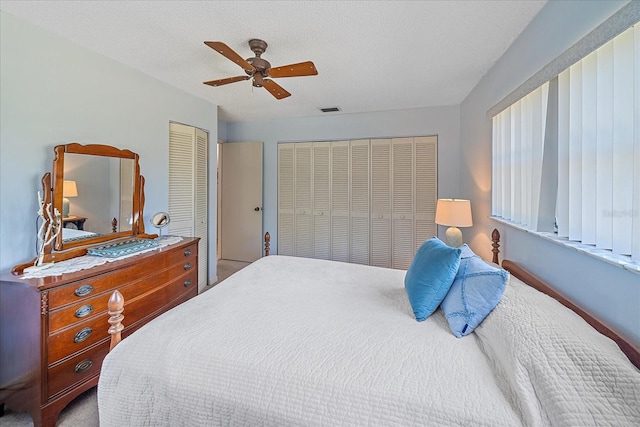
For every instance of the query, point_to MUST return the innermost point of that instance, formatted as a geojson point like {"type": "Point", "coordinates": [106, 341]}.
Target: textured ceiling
{"type": "Point", "coordinates": [370, 55]}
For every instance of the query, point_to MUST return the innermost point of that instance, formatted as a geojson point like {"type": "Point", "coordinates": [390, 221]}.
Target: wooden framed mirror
{"type": "Point", "coordinates": [98, 190]}
{"type": "Point", "coordinates": [99, 193]}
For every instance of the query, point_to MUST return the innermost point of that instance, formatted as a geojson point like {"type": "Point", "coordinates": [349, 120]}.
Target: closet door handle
{"type": "Point", "coordinates": [257, 209]}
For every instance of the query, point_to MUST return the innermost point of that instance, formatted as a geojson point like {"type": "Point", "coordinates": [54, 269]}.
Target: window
{"type": "Point", "coordinates": [566, 157]}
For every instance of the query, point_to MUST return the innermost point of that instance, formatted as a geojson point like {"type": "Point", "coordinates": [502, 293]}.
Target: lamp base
{"type": "Point", "coordinates": [453, 237]}
{"type": "Point", "coordinates": [65, 207]}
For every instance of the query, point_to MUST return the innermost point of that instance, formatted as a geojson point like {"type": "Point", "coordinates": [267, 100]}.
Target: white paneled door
{"type": "Point", "coordinates": [241, 236]}
{"type": "Point", "coordinates": [361, 201]}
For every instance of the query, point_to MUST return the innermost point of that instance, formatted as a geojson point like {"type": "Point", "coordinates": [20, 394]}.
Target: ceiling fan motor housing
{"type": "Point", "coordinates": [261, 66]}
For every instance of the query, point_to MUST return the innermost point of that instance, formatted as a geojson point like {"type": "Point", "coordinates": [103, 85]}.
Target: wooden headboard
{"type": "Point", "coordinates": [628, 348]}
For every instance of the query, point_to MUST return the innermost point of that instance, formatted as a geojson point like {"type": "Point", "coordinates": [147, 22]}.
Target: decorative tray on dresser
{"type": "Point", "coordinates": [53, 330]}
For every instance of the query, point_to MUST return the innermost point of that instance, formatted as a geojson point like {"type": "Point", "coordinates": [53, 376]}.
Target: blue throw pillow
{"type": "Point", "coordinates": [475, 292]}
{"type": "Point", "coordinates": [430, 276]}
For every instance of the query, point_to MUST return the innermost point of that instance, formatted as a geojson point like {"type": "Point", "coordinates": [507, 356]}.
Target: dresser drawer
{"type": "Point", "coordinates": [77, 369]}
{"type": "Point", "coordinates": [77, 338]}
{"type": "Point", "coordinates": [158, 300]}
{"type": "Point", "coordinates": [92, 286]}
{"type": "Point", "coordinates": [71, 340]}
{"type": "Point", "coordinates": [90, 307]}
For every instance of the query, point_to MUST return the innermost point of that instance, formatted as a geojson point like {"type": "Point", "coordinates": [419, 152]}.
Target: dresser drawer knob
{"type": "Point", "coordinates": [82, 335]}
{"type": "Point", "coordinates": [84, 311]}
{"type": "Point", "coordinates": [83, 290]}
{"type": "Point", "coordinates": [187, 266]}
{"type": "Point", "coordinates": [187, 283]}
{"type": "Point", "coordinates": [187, 252]}
{"type": "Point", "coordinates": [83, 366]}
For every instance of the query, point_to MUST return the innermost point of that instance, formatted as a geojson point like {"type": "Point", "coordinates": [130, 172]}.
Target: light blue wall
{"type": "Point", "coordinates": [441, 121]}
{"type": "Point", "coordinates": [611, 292]}
{"type": "Point", "coordinates": [53, 92]}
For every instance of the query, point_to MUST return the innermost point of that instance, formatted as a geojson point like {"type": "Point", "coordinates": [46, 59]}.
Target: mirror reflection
{"type": "Point", "coordinates": [96, 190]}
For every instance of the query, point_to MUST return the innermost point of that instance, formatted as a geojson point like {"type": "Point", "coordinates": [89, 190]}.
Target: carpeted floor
{"type": "Point", "coordinates": [83, 411]}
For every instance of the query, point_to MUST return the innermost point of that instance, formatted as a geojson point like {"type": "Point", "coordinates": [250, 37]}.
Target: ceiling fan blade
{"type": "Point", "coordinates": [225, 50]}
{"type": "Point", "coordinates": [275, 89]}
{"type": "Point", "coordinates": [294, 70]}
{"type": "Point", "coordinates": [226, 81]}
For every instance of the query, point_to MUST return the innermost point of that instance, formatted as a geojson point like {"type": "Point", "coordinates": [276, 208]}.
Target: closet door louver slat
{"type": "Point", "coordinates": [340, 201]}
{"type": "Point", "coordinates": [303, 197]}
{"type": "Point", "coordinates": [359, 187]}
{"type": "Point", "coordinates": [381, 202]}
{"type": "Point", "coordinates": [425, 184]}
{"type": "Point", "coordinates": [181, 180]}
{"type": "Point", "coordinates": [321, 201]}
{"type": "Point", "coordinates": [201, 207]}
{"type": "Point", "coordinates": [402, 202]}
{"type": "Point", "coordinates": [286, 227]}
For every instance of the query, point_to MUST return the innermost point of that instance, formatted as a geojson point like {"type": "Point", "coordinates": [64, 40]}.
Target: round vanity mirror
{"type": "Point", "coordinates": [160, 220]}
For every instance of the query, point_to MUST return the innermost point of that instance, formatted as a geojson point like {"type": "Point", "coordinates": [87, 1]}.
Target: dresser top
{"type": "Point", "coordinates": [48, 282]}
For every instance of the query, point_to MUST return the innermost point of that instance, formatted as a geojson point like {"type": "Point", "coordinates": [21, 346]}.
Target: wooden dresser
{"type": "Point", "coordinates": [53, 331]}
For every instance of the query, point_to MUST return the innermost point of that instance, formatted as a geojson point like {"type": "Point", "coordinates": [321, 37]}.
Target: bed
{"type": "Point", "coordinates": [293, 341]}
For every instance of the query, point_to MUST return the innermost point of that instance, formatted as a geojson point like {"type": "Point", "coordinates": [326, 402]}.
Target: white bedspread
{"type": "Point", "coordinates": [300, 342]}
{"type": "Point", "coordinates": [292, 341]}
{"type": "Point", "coordinates": [556, 369]}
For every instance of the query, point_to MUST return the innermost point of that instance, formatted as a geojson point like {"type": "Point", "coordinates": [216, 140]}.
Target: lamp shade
{"type": "Point", "coordinates": [69, 189]}
{"type": "Point", "coordinates": [454, 212]}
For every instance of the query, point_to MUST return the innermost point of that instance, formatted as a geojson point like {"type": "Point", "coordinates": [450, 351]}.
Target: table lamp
{"type": "Point", "coordinates": [69, 189]}
{"type": "Point", "coordinates": [454, 213]}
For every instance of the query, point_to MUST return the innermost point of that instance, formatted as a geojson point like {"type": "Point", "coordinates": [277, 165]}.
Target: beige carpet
{"type": "Point", "coordinates": [83, 411]}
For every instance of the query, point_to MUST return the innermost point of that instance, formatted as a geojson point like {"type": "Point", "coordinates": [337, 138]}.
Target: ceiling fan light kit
{"type": "Point", "coordinates": [259, 69]}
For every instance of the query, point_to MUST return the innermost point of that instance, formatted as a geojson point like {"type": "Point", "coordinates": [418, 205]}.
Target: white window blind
{"type": "Point", "coordinates": [519, 132]}
{"type": "Point", "coordinates": [597, 169]}
{"type": "Point", "coordinates": [597, 141]}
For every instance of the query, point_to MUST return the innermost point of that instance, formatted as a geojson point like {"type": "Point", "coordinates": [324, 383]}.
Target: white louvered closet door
{"type": "Point", "coordinates": [286, 196]}
{"type": "Point", "coordinates": [426, 188]}
{"type": "Point", "coordinates": [362, 201]}
{"type": "Point", "coordinates": [402, 203]}
{"type": "Point", "coordinates": [340, 201]}
{"type": "Point", "coordinates": [201, 204]}
{"type": "Point", "coordinates": [303, 200]}
{"type": "Point", "coordinates": [380, 237]}
{"type": "Point", "coordinates": [181, 180]}
{"type": "Point", "coordinates": [188, 189]}
{"type": "Point", "coordinates": [321, 200]}
{"type": "Point", "coordinates": [359, 206]}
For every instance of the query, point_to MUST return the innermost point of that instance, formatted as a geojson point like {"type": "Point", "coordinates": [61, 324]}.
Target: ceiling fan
{"type": "Point", "coordinates": [260, 69]}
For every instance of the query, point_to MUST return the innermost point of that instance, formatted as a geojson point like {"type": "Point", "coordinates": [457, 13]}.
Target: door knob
{"type": "Point", "coordinates": [257, 209]}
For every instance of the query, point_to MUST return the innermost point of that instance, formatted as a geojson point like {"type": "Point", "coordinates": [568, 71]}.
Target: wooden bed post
{"type": "Point", "coordinates": [116, 307]}
{"type": "Point", "coordinates": [495, 238]}
{"type": "Point", "coordinates": [267, 243]}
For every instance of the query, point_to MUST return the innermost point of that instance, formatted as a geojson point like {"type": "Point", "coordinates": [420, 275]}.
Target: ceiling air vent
{"type": "Point", "coordinates": [330, 109]}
